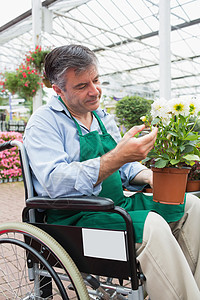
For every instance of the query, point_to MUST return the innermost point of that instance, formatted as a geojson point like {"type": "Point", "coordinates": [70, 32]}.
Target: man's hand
{"type": "Point", "coordinates": [129, 149]}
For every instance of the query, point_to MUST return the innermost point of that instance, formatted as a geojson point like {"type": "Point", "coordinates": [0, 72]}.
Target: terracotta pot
{"type": "Point", "coordinates": [193, 185]}
{"type": "Point", "coordinates": [169, 185]}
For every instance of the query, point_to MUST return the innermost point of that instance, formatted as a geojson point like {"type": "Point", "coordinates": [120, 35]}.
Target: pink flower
{"type": "Point", "coordinates": [9, 159]}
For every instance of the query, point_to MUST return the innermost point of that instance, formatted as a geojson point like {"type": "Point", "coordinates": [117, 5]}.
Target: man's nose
{"type": "Point", "coordinates": [93, 91]}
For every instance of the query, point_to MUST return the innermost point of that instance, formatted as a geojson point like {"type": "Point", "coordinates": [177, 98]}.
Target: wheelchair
{"type": "Point", "coordinates": [44, 261]}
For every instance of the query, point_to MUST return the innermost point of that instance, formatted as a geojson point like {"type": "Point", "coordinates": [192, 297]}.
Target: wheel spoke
{"type": "Point", "coordinates": [19, 249]}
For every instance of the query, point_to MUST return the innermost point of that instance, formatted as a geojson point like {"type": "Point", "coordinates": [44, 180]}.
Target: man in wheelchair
{"type": "Point", "coordinates": [74, 148]}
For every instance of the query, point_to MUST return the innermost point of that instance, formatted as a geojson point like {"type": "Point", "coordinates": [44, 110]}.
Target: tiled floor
{"type": "Point", "coordinates": [11, 201]}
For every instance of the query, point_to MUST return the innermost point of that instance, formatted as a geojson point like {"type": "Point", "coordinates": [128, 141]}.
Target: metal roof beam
{"type": "Point", "coordinates": [185, 87]}
{"type": "Point", "coordinates": [25, 15]}
{"type": "Point", "coordinates": [173, 78]}
{"type": "Point", "coordinates": [150, 34]}
{"type": "Point", "coordinates": [150, 66]}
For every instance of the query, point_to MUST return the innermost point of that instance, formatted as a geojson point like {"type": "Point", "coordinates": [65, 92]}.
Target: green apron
{"type": "Point", "coordinates": [94, 145]}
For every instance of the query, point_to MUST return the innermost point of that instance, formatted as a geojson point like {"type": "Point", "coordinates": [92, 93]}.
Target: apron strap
{"type": "Point", "coordinates": [76, 123]}
{"type": "Point", "coordinates": [77, 126]}
{"type": "Point", "coordinates": [102, 127]}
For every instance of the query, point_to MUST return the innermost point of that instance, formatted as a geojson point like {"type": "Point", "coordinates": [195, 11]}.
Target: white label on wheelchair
{"type": "Point", "coordinates": [104, 244]}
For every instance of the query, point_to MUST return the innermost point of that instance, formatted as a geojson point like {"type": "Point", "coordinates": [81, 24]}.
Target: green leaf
{"type": "Point", "coordinates": [191, 137]}
{"type": "Point", "coordinates": [161, 163]}
{"type": "Point", "coordinates": [182, 119]}
{"type": "Point", "coordinates": [155, 121]}
{"type": "Point", "coordinates": [174, 161]}
{"type": "Point", "coordinates": [192, 157]}
{"type": "Point", "coordinates": [188, 149]}
{"type": "Point", "coordinates": [146, 159]}
{"type": "Point", "coordinates": [182, 148]}
{"type": "Point", "coordinates": [165, 155]}
{"type": "Point", "coordinates": [196, 151]}
{"type": "Point", "coordinates": [173, 133]}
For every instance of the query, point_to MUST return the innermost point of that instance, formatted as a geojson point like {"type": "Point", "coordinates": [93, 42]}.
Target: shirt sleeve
{"type": "Point", "coordinates": [54, 174]}
{"type": "Point", "coordinates": [128, 172]}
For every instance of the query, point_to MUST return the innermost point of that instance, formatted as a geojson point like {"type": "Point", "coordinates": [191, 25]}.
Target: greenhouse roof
{"type": "Point", "coordinates": [124, 36]}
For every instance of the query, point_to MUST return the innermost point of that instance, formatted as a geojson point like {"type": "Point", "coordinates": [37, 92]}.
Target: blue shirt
{"type": "Point", "coordinates": [52, 143]}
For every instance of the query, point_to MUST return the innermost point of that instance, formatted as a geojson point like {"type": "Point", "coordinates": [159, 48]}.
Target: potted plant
{"type": "Point", "coordinates": [193, 182]}
{"type": "Point", "coordinates": [176, 147]}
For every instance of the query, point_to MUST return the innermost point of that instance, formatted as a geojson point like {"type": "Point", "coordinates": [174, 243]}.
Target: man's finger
{"type": "Point", "coordinates": [151, 137]}
{"type": "Point", "coordinates": [134, 130]}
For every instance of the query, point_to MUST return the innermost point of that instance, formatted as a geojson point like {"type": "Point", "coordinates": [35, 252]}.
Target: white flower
{"type": "Point", "coordinates": [178, 107]}
{"type": "Point", "coordinates": [166, 119]}
{"type": "Point", "coordinates": [159, 109]}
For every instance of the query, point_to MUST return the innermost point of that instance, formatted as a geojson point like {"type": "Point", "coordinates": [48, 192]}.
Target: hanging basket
{"type": "Point", "coordinates": [169, 185]}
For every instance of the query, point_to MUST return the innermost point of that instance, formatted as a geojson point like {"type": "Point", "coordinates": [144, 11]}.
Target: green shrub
{"type": "Point", "coordinates": [130, 109]}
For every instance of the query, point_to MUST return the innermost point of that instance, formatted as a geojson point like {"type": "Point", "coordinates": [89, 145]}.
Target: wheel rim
{"type": "Point", "coordinates": [9, 268]}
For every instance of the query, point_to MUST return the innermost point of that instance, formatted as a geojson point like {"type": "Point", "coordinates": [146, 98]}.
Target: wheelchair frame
{"type": "Point", "coordinates": [70, 240]}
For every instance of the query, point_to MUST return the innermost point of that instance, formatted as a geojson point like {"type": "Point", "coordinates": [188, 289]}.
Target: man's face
{"type": "Point", "coordinates": [82, 91]}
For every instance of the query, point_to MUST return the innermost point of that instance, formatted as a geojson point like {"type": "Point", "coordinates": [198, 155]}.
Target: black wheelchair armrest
{"type": "Point", "coordinates": [83, 203]}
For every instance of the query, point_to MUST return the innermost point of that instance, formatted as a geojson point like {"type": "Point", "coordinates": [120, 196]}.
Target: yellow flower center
{"type": "Point", "coordinates": [143, 118]}
{"type": "Point", "coordinates": [179, 107]}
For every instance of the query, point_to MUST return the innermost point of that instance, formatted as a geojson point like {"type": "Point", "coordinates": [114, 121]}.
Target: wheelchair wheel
{"type": "Point", "coordinates": [34, 266]}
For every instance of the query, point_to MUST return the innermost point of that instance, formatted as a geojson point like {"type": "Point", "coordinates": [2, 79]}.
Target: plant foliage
{"type": "Point", "coordinates": [25, 81]}
{"type": "Point", "coordinates": [177, 143]}
{"type": "Point", "coordinates": [129, 109]}
{"type": "Point", "coordinates": [36, 58]}
{"type": "Point", "coordinates": [195, 172]}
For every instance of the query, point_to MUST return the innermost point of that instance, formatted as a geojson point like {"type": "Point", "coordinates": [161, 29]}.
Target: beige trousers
{"type": "Point", "coordinates": [171, 262]}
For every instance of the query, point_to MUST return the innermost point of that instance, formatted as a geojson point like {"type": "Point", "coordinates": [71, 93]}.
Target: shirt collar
{"type": "Point", "coordinates": [57, 105]}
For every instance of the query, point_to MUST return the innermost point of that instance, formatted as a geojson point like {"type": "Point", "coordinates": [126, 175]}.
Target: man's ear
{"type": "Point", "coordinates": [57, 89]}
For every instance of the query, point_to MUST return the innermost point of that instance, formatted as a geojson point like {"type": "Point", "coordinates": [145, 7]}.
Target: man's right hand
{"type": "Point", "coordinates": [129, 149]}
